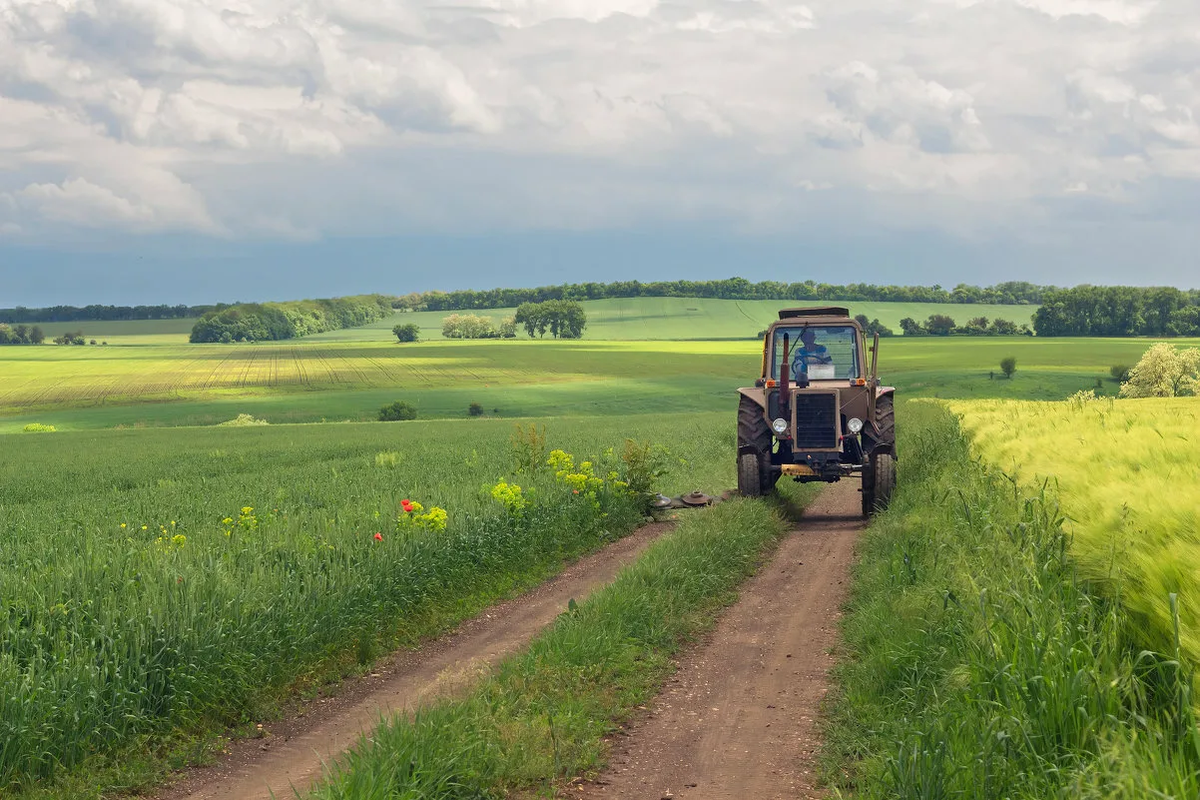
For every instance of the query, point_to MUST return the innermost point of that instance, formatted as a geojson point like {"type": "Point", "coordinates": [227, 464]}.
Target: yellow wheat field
{"type": "Point", "coordinates": [1127, 473]}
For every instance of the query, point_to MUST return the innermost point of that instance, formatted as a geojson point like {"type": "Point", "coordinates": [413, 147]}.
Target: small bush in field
{"type": "Point", "coordinates": [398, 410]}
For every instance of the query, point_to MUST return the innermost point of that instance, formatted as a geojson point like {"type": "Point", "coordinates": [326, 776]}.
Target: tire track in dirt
{"type": "Point", "coordinates": [292, 751]}
{"type": "Point", "coordinates": [739, 718]}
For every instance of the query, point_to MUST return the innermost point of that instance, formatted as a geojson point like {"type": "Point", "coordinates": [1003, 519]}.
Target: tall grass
{"type": "Point", "coordinates": [157, 582]}
{"type": "Point", "coordinates": [979, 665]}
{"type": "Point", "coordinates": [1127, 473]}
{"type": "Point", "coordinates": [543, 714]}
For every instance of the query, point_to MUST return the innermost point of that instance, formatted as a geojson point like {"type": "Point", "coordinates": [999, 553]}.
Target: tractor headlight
{"type": "Point", "coordinates": [854, 424]}
{"type": "Point", "coordinates": [779, 425]}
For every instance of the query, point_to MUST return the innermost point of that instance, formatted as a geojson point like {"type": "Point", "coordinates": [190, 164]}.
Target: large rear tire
{"type": "Point", "coordinates": [885, 424]}
{"type": "Point", "coordinates": [753, 432]}
{"type": "Point", "coordinates": [749, 484]}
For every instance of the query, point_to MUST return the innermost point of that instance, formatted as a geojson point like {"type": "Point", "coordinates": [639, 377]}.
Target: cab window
{"type": "Point", "coordinates": [822, 352]}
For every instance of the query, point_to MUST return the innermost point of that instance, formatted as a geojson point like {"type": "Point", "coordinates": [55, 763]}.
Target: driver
{"type": "Point", "coordinates": [809, 353]}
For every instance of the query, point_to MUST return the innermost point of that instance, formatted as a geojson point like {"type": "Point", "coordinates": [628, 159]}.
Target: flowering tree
{"type": "Point", "coordinates": [1164, 371]}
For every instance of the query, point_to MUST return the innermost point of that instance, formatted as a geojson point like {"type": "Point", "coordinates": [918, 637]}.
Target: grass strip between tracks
{"type": "Point", "coordinates": [980, 665]}
{"type": "Point", "coordinates": [542, 716]}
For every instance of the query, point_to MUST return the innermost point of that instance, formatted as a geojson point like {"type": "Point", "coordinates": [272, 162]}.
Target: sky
{"type": "Point", "coordinates": [213, 150]}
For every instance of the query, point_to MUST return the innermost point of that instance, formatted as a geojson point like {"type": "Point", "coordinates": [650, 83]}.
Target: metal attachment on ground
{"type": "Point", "coordinates": [696, 498]}
{"type": "Point", "coordinates": [661, 501]}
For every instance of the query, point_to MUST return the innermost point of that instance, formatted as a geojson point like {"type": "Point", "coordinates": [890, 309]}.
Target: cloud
{"type": "Point", "coordinates": [277, 120]}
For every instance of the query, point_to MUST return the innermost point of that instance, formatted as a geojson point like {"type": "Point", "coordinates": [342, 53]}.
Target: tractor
{"type": "Point", "coordinates": [817, 413]}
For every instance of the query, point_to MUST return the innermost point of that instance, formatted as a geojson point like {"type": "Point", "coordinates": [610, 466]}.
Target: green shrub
{"type": "Point", "coordinates": [37, 427]}
{"type": "Point", "coordinates": [398, 410]}
{"type": "Point", "coordinates": [475, 410]}
{"type": "Point", "coordinates": [408, 332]}
{"type": "Point", "coordinates": [1008, 366]}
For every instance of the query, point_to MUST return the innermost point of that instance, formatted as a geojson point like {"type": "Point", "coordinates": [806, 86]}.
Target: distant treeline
{"type": "Point", "coordinates": [1119, 311]}
{"type": "Point", "coordinates": [95, 313]}
{"type": "Point", "coordinates": [21, 334]}
{"type": "Point", "coordinates": [257, 322]}
{"type": "Point", "coordinates": [1011, 293]}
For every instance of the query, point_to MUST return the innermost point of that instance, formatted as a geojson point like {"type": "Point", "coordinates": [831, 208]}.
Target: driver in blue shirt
{"type": "Point", "coordinates": [809, 352]}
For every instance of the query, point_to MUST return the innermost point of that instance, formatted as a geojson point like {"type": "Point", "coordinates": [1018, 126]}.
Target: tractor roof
{"type": "Point", "coordinates": [815, 311]}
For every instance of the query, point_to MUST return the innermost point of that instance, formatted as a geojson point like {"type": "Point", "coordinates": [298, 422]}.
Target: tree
{"type": "Point", "coordinates": [468, 326]}
{"type": "Point", "coordinates": [475, 410]}
{"type": "Point", "coordinates": [910, 327]}
{"type": "Point", "coordinates": [976, 326]}
{"type": "Point", "coordinates": [939, 325]}
{"type": "Point", "coordinates": [1184, 322]}
{"type": "Point", "coordinates": [1008, 366]}
{"type": "Point", "coordinates": [398, 410]}
{"type": "Point", "coordinates": [1164, 371]}
{"type": "Point", "coordinates": [873, 326]}
{"type": "Point", "coordinates": [565, 319]}
{"type": "Point", "coordinates": [1003, 327]}
{"type": "Point", "coordinates": [409, 332]}
{"type": "Point", "coordinates": [532, 317]}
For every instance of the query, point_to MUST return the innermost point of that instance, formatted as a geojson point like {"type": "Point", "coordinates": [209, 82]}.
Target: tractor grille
{"type": "Point", "coordinates": [816, 420]}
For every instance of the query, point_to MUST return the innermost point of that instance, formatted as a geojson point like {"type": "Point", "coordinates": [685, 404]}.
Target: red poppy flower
{"type": "Point", "coordinates": [406, 505]}
{"type": "Point", "coordinates": [379, 537]}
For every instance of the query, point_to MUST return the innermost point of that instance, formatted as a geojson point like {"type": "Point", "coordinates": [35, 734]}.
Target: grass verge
{"type": "Point", "coordinates": [978, 664]}
{"type": "Point", "coordinates": [542, 716]}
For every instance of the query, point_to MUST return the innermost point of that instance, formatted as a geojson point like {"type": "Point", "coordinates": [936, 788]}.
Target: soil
{"type": "Point", "coordinates": [739, 717]}
{"type": "Point", "coordinates": [290, 752]}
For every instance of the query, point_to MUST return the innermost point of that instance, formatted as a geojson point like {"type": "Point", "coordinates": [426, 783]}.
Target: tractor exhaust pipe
{"type": "Point", "coordinates": [785, 394]}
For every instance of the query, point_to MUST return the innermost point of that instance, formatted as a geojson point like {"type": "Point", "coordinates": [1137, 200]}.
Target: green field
{"type": "Point", "coordinates": [313, 381]}
{"type": "Point", "coordinates": [164, 577]}
{"type": "Point", "coordinates": [123, 332]}
{"type": "Point", "coordinates": [688, 318]}
{"type": "Point", "coordinates": [1129, 475]}
{"type": "Point", "coordinates": [179, 580]}
{"type": "Point", "coordinates": [979, 660]}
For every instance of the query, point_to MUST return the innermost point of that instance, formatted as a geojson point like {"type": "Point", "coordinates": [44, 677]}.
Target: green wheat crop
{"type": "Point", "coordinates": [1128, 474]}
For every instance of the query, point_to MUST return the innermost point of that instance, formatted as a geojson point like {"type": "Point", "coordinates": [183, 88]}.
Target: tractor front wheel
{"type": "Point", "coordinates": [749, 484]}
{"type": "Point", "coordinates": [879, 479]}
{"type": "Point", "coordinates": [752, 431]}
{"type": "Point", "coordinates": [868, 488]}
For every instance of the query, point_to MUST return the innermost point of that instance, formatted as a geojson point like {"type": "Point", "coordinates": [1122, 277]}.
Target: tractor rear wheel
{"type": "Point", "coordinates": [749, 484]}
{"type": "Point", "coordinates": [885, 424]}
{"type": "Point", "coordinates": [753, 432]}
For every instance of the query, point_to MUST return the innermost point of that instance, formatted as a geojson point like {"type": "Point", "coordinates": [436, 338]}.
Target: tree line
{"type": "Point", "coordinates": [257, 322]}
{"type": "Point", "coordinates": [21, 334]}
{"type": "Point", "coordinates": [1119, 311]}
{"type": "Point", "coordinates": [1009, 293]}
{"type": "Point", "coordinates": [945, 325]}
{"type": "Point", "coordinates": [97, 313]}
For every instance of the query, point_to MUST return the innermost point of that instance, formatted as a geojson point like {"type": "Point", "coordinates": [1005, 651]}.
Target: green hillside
{"type": "Point", "coordinates": [656, 318]}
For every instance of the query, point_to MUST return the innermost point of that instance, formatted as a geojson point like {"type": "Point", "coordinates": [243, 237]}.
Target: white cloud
{"type": "Point", "coordinates": [266, 118]}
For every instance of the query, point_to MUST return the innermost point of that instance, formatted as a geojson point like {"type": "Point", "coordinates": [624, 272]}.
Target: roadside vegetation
{"type": "Point", "coordinates": [1127, 473]}
{"type": "Point", "coordinates": [981, 660]}
{"type": "Point", "coordinates": [197, 578]}
{"type": "Point", "coordinates": [542, 716]}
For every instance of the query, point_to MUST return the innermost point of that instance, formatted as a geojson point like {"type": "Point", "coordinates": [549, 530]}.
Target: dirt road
{"type": "Point", "coordinates": [738, 719]}
{"type": "Point", "coordinates": [291, 752]}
